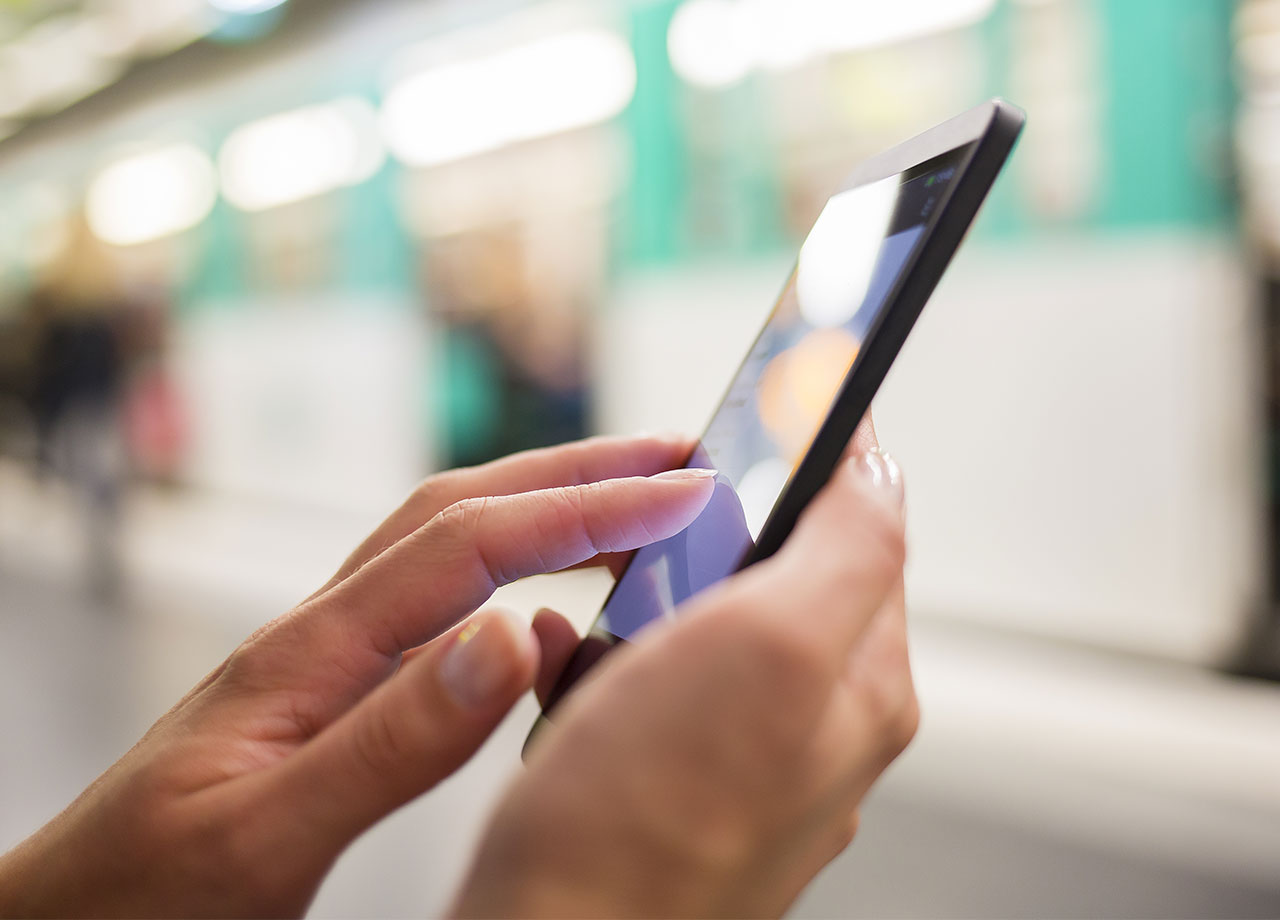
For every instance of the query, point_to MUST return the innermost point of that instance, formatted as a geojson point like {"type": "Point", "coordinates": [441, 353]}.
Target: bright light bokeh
{"type": "Point", "coordinates": [710, 43]}
{"type": "Point", "coordinates": [300, 154]}
{"type": "Point", "coordinates": [717, 43]}
{"type": "Point", "coordinates": [796, 387]}
{"type": "Point", "coordinates": [839, 256]}
{"type": "Point", "coordinates": [151, 195]}
{"type": "Point", "coordinates": [544, 87]}
{"type": "Point", "coordinates": [245, 7]}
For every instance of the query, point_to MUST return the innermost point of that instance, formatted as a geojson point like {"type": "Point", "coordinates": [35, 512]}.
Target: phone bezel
{"type": "Point", "coordinates": [990, 130]}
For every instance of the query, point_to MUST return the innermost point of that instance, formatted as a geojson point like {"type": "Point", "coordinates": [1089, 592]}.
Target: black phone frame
{"type": "Point", "coordinates": [989, 131]}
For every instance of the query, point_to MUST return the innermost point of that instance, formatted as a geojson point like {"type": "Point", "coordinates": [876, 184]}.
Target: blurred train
{"type": "Point", "coordinates": [363, 240]}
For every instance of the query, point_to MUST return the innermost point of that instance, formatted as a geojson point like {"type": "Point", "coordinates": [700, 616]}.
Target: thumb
{"type": "Point", "coordinates": [413, 731]}
{"type": "Point", "coordinates": [344, 642]}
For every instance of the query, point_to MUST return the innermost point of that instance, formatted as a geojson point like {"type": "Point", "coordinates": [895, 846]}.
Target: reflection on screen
{"type": "Point", "coordinates": [783, 391]}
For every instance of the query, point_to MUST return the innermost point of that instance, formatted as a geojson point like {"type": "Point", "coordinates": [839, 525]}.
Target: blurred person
{"type": "Point", "coordinates": [514, 356]}
{"type": "Point", "coordinates": [713, 767]}
{"type": "Point", "coordinates": [76, 392]}
{"type": "Point", "coordinates": [19, 341]}
{"type": "Point", "coordinates": [155, 414]}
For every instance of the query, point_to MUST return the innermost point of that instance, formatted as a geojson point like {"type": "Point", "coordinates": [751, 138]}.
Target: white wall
{"type": "Point", "coordinates": [1078, 420]}
{"type": "Point", "coordinates": [312, 400]}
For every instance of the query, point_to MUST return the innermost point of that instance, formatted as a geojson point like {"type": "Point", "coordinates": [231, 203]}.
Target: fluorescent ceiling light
{"type": "Point", "coordinates": [301, 154]}
{"type": "Point", "coordinates": [710, 43]}
{"type": "Point", "coordinates": [717, 43]}
{"type": "Point", "coordinates": [245, 7]}
{"type": "Point", "coordinates": [151, 195]}
{"type": "Point", "coordinates": [64, 58]}
{"type": "Point", "coordinates": [451, 111]}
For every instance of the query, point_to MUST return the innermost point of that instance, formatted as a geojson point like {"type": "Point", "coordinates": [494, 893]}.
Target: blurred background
{"type": "Point", "coordinates": [265, 264]}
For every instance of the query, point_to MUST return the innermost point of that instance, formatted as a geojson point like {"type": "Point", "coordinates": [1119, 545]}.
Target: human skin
{"type": "Point", "coordinates": [237, 802]}
{"type": "Point", "coordinates": [717, 764]}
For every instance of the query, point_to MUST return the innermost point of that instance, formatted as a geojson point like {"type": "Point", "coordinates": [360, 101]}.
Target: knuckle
{"type": "Point", "coordinates": [895, 713]}
{"type": "Point", "coordinates": [427, 499]}
{"type": "Point", "coordinates": [907, 721]}
{"type": "Point", "coordinates": [426, 490]}
{"type": "Point", "coordinates": [573, 503]}
{"type": "Point", "coordinates": [247, 664]}
{"type": "Point", "coordinates": [601, 531]}
{"type": "Point", "coordinates": [846, 834]}
{"type": "Point", "coordinates": [855, 824]}
{"type": "Point", "coordinates": [434, 485]}
{"type": "Point", "coordinates": [377, 744]}
{"type": "Point", "coordinates": [430, 497]}
{"type": "Point", "coordinates": [837, 835]}
{"type": "Point", "coordinates": [248, 667]}
{"type": "Point", "coordinates": [256, 661]}
{"type": "Point", "coordinates": [458, 520]}
{"type": "Point", "coordinates": [454, 533]}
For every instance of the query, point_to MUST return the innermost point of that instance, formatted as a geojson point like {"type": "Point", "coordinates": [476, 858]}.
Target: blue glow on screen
{"type": "Point", "coordinates": [776, 403]}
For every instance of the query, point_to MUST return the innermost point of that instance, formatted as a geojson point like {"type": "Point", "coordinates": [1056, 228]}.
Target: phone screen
{"type": "Point", "coordinates": [858, 247]}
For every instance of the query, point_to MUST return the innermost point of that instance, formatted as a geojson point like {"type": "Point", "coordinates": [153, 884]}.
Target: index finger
{"type": "Point", "coordinates": [577, 463]}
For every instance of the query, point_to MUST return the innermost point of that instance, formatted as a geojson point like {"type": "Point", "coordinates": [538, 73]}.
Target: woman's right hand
{"type": "Point", "coordinates": [713, 768]}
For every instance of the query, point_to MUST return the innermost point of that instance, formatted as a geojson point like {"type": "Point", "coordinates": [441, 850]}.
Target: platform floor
{"type": "Point", "coordinates": [1046, 781]}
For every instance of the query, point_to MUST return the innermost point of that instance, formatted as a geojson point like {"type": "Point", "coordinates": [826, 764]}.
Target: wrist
{"type": "Point", "coordinates": [34, 883]}
{"type": "Point", "coordinates": [582, 868]}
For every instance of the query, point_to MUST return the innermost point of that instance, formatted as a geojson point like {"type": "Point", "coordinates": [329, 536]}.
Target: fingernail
{"type": "Point", "coordinates": [882, 472]}
{"type": "Point", "coordinates": [477, 668]}
{"type": "Point", "coordinates": [692, 473]}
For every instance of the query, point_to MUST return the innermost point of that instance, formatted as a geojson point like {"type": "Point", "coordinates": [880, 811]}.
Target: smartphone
{"type": "Point", "coordinates": [864, 273]}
